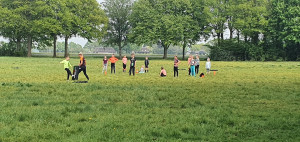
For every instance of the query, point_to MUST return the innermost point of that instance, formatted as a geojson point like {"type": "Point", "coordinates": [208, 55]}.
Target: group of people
{"type": "Point", "coordinates": [132, 65]}
{"type": "Point", "coordinates": [193, 63]}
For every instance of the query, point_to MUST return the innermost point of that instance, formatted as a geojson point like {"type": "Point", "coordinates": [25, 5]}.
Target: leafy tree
{"type": "Point", "coordinates": [118, 12]}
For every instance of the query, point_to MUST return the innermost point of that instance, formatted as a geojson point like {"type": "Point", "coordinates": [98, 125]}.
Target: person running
{"type": "Point", "coordinates": [67, 65]}
{"type": "Point", "coordinates": [193, 66]}
{"type": "Point", "coordinates": [82, 66]}
{"type": "Point", "coordinates": [176, 62]}
{"type": "Point", "coordinates": [113, 61]}
{"type": "Point", "coordinates": [197, 63]}
{"type": "Point", "coordinates": [146, 65]}
{"type": "Point", "coordinates": [132, 65]}
{"type": "Point", "coordinates": [105, 64]}
{"type": "Point", "coordinates": [163, 72]}
{"type": "Point", "coordinates": [124, 60]}
{"type": "Point", "coordinates": [189, 63]}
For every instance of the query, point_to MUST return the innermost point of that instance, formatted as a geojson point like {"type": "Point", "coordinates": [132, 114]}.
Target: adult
{"type": "Point", "coordinates": [113, 61]}
{"type": "Point", "coordinates": [176, 62]}
{"type": "Point", "coordinates": [82, 65]}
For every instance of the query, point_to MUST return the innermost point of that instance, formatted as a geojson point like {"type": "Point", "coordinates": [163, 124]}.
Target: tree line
{"type": "Point", "coordinates": [257, 29]}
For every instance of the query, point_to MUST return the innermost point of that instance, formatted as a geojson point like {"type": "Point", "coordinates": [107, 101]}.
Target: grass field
{"type": "Point", "coordinates": [244, 101]}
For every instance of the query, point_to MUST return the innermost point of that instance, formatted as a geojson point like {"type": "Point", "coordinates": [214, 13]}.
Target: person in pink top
{"type": "Point", "coordinates": [124, 60]}
{"type": "Point", "coordinates": [189, 63]}
{"type": "Point", "coordinates": [163, 72]}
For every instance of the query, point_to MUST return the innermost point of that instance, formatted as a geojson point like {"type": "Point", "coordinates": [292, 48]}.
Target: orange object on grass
{"type": "Point", "coordinates": [215, 72]}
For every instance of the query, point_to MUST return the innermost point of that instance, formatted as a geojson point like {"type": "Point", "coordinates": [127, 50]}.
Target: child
{"type": "Point", "coordinates": [113, 61]}
{"type": "Point", "coordinates": [193, 67]}
{"type": "Point", "coordinates": [105, 64]}
{"type": "Point", "coordinates": [189, 63]}
{"type": "Point", "coordinates": [67, 65]}
{"type": "Point", "coordinates": [208, 66]}
{"type": "Point", "coordinates": [163, 72]}
{"type": "Point", "coordinates": [197, 60]}
{"type": "Point", "coordinates": [124, 60]}
{"type": "Point", "coordinates": [176, 62]}
{"type": "Point", "coordinates": [147, 64]}
{"type": "Point", "coordinates": [132, 65]}
{"type": "Point", "coordinates": [142, 70]}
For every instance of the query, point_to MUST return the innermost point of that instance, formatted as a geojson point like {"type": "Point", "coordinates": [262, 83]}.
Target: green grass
{"type": "Point", "coordinates": [245, 101]}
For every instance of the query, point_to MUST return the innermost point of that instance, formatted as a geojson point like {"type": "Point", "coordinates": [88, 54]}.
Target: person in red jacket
{"type": "Point", "coordinates": [113, 61]}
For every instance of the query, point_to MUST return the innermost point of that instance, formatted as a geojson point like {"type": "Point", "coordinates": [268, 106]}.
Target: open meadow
{"type": "Point", "coordinates": [244, 101]}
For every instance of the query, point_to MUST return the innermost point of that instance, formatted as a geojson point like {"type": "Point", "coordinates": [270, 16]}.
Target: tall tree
{"type": "Point", "coordinates": [159, 21]}
{"type": "Point", "coordinates": [118, 12]}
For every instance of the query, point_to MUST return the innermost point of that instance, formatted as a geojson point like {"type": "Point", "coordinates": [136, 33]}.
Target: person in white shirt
{"type": "Point", "coordinates": [208, 66]}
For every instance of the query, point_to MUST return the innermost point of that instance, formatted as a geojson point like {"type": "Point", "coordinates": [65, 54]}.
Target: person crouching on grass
{"type": "Point", "coordinates": [163, 72]}
{"type": "Point", "coordinates": [113, 61]}
{"type": "Point", "coordinates": [147, 64]}
{"type": "Point", "coordinates": [132, 65]}
{"type": "Point", "coordinates": [124, 60]}
{"type": "Point", "coordinates": [82, 65]}
{"type": "Point", "coordinates": [67, 65]}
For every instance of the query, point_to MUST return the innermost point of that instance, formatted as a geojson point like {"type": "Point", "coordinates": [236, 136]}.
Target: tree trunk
{"type": "Point", "coordinates": [18, 44]}
{"type": "Point", "coordinates": [165, 53]}
{"type": "Point", "coordinates": [29, 46]}
{"type": "Point", "coordinates": [219, 36]}
{"type": "Point", "coordinates": [183, 52]}
{"type": "Point", "coordinates": [66, 46]}
{"type": "Point", "coordinates": [238, 36]}
{"type": "Point", "coordinates": [120, 50]}
{"type": "Point", "coordinates": [231, 33]}
{"type": "Point", "coordinates": [54, 46]}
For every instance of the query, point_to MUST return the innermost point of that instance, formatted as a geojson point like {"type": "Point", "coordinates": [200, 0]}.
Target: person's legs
{"type": "Point", "coordinates": [69, 73]}
{"type": "Point", "coordinates": [130, 70]}
{"type": "Point", "coordinates": [84, 72]}
{"type": "Point", "coordinates": [192, 70]}
{"type": "Point", "coordinates": [189, 70]}
{"type": "Point", "coordinates": [133, 71]}
{"type": "Point", "coordinates": [197, 69]}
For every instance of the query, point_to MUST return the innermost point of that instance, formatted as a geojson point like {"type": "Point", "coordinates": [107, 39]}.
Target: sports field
{"type": "Point", "coordinates": [244, 101]}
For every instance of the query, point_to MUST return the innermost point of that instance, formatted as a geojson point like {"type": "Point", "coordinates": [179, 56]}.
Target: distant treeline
{"type": "Point", "coordinates": [257, 29]}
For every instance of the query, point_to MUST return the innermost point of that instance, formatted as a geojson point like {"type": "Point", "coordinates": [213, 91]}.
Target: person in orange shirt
{"type": "Point", "coordinates": [124, 60]}
{"type": "Point", "coordinates": [113, 61]}
{"type": "Point", "coordinates": [82, 65]}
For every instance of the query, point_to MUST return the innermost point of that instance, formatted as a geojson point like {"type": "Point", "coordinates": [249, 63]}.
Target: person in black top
{"type": "Point", "coordinates": [82, 66]}
{"type": "Point", "coordinates": [146, 65]}
{"type": "Point", "coordinates": [132, 65]}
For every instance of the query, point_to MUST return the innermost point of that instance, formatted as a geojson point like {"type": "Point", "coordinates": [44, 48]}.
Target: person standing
{"type": "Point", "coordinates": [189, 63]}
{"type": "Point", "coordinates": [113, 61]}
{"type": "Point", "coordinates": [124, 60]}
{"type": "Point", "coordinates": [208, 66]}
{"type": "Point", "coordinates": [176, 63]}
{"type": "Point", "coordinates": [132, 65]}
{"type": "Point", "coordinates": [82, 66]}
{"type": "Point", "coordinates": [197, 63]}
{"type": "Point", "coordinates": [146, 65]}
{"type": "Point", "coordinates": [105, 64]}
{"type": "Point", "coordinates": [193, 67]}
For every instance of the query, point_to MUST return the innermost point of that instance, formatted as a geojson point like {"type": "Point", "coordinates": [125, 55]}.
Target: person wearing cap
{"type": "Point", "coordinates": [82, 65]}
